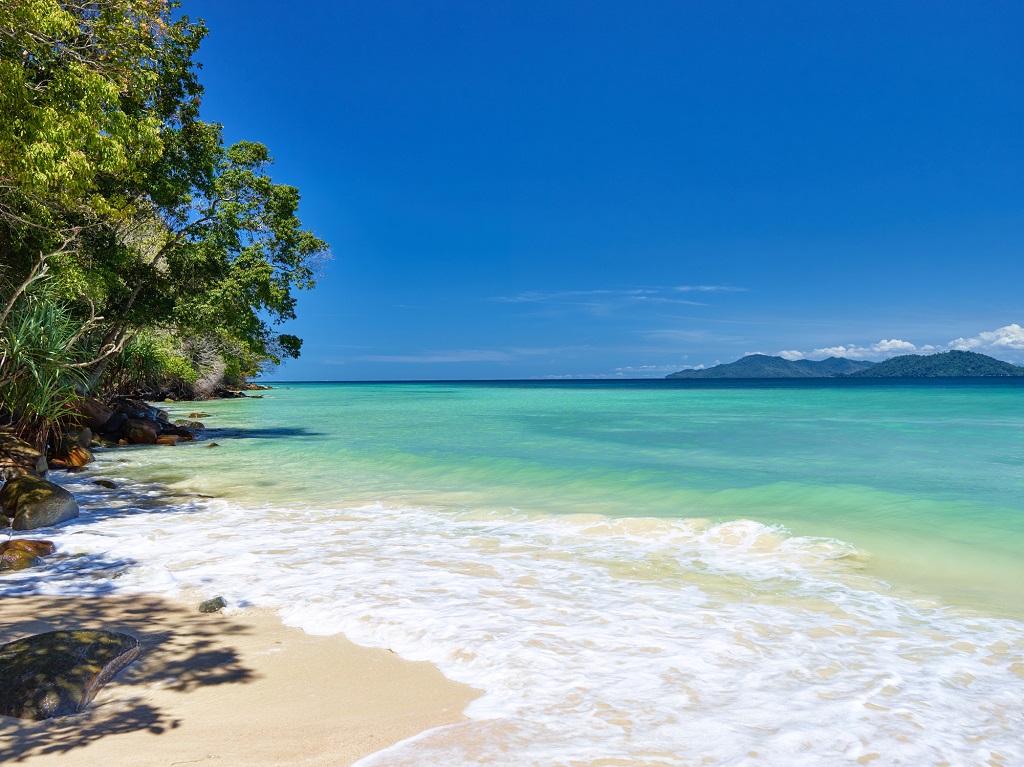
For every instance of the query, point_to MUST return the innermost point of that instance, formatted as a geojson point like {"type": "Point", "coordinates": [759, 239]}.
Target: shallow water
{"type": "Point", "coordinates": [636, 574]}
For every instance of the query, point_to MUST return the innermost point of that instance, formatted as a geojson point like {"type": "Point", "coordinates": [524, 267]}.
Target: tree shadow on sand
{"type": "Point", "coordinates": [181, 651]}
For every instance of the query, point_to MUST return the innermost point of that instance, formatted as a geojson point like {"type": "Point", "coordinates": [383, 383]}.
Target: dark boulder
{"type": "Point", "coordinates": [105, 483]}
{"type": "Point", "coordinates": [58, 673]}
{"type": "Point", "coordinates": [189, 424]}
{"type": "Point", "coordinates": [141, 431]}
{"type": "Point", "coordinates": [28, 503]}
{"type": "Point", "coordinates": [18, 458]}
{"type": "Point", "coordinates": [182, 433]}
{"type": "Point", "coordinates": [93, 414]}
{"type": "Point", "coordinates": [115, 424]}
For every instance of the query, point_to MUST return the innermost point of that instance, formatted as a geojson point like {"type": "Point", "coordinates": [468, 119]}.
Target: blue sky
{"type": "Point", "coordinates": [531, 189]}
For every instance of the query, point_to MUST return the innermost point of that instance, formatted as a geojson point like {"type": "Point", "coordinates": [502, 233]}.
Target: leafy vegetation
{"type": "Point", "coordinates": [952, 364]}
{"type": "Point", "coordinates": [162, 256]}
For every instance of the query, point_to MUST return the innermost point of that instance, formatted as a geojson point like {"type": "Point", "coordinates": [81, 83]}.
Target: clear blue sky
{"type": "Point", "coordinates": [520, 189]}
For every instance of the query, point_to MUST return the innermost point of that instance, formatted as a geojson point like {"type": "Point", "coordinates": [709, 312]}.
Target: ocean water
{"type": "Point", "coordinates": [634, 573]}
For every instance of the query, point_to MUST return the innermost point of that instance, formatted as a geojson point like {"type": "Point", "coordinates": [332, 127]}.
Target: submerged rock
{"type": "Point", "coordinates": [58, 673]}
{"type": "Point", "coordinates": [28, 502]}
{"type": "Point", "coordinates": [105, 483]}
{"type": "Point", "coordinates": [189, 424]}
{"type": "Point", "coordinates": [198, 415]}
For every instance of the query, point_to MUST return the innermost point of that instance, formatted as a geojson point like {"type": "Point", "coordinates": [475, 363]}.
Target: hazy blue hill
{"type": "Point", "coordinates": [947, 364]}
{"type": "Point", "coordinates": [765, 366]}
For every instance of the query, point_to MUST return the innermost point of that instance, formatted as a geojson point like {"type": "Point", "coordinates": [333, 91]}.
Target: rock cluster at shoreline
{"type": "Point", "coordinates": [57, 674]}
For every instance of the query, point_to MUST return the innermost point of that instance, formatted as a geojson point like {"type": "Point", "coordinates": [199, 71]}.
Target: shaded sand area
{"type": "Point", "coordinates": [225, 689]}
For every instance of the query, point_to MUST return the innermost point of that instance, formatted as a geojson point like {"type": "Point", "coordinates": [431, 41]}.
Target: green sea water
{"type": "Point", "coordinates": [637, 574]}
{"type": "Point", "coordinates": [924, 478]}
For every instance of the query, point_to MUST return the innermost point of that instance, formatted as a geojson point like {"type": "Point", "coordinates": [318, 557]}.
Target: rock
{"type": "Point", "coordinates": [122, 442]}
{"type": "Point", "coordinates": [58, 673]}
{"type": "Point", "coordinates": [168, 399]}
{"type": "Point", "coordinates": [85, 437]}
{"type": "Point", "coordinates": [141, 431]}
{"type": "Point", "coordinates": [115, 424]}
{"type": "Point", "coordinates": [29, 503]}
{"type": "Point", "coordinates": [58, 464]}
{"type": "Point", "coordinates": [183, 434]}
{"type": "Point", "coordinates": [22, 554]}
{"type": "Point", "coordinates": [16, 559]}
{"type": "Point", "coordinates": [189, 424]}
{"type": "Point", "coordinates": [18, 458]}
{"type": "Point", "coordinates": [134, 408]}
{"type": "Point", "coordinates": [78, 456]}
{"type": "Point", "coordinates": [162, 415]}
{"type": "Point", "coordinates": [169, 439]}
{"type": "Point", "coordinates": [198, 415]}
{"type": "Point", "coordinates": [93, 414]}
{"type": "Point", "coordinates": [213, 444]}
{"type": "Point", "coordinates": [75, 469]}
{"type": "Point", "coordinates": [37, 548]}
{"type": "Point", "coordinates": [212, 605]}
{"type": "Point", "coordinates": [105, 483]}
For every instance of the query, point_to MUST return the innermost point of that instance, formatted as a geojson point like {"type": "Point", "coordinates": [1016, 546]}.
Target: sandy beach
{"type": "Point", "coordinates": [237, 688]}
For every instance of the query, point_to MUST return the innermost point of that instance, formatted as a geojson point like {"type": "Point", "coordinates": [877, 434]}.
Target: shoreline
{"type": "Point", "coordinates": [236, 685]}
{"type": "Point", "coordinates": [239, 688]}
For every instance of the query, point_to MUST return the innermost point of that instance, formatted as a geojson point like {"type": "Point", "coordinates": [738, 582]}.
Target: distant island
{"type": "Point", "coordinates": [954, 364]}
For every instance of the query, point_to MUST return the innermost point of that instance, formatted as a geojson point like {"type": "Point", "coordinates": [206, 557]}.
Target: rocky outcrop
{"type": "Point", "coordinates": [58, 673]}
{"type": "Point", "coordinates": [18, 458]}
{"type": "Point", "coordinates": [28, 503]}
{"type": "Point", "coordinates": [93, 414]}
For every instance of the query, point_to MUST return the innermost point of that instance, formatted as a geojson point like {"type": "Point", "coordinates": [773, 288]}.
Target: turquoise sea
{"type": "Point", "coordinates": [634, 572]}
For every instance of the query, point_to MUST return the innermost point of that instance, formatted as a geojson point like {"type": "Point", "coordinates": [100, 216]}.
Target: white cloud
{"type": "Point", "coordinates": [1003, 342]}
{"type": "Point", "coordinates": [1008, 337]}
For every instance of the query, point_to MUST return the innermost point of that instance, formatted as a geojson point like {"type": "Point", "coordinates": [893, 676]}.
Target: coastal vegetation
{"type": "Point", "coordinates": [951, 364]}
{"type": "Point", "coordinates": [138, 251]}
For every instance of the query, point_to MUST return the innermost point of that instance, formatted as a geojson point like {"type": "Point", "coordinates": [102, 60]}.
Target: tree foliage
{"type": "Point", "coordinates": [144, 223]}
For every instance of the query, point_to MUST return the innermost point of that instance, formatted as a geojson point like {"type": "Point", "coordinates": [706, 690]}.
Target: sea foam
{"type": "Point", "coordinates": [596, 641]}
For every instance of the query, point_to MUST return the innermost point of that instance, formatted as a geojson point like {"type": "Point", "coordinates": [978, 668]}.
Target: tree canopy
{"type": "Point", "coordinates": [124, 212]}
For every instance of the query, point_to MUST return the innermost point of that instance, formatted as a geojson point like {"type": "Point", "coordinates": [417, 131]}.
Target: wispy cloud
{"type": "Point", "coordinates": [466, 355]}
{"type": "Point", "coordinates": [1006, 342]}
{"type": "Point", "coordinates": [603, 301]}
{"type": "Point", "coordinates": [709, 289]}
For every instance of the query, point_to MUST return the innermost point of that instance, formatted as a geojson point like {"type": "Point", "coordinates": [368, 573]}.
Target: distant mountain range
{"type": "Point", "coordinates": [953, 364]}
